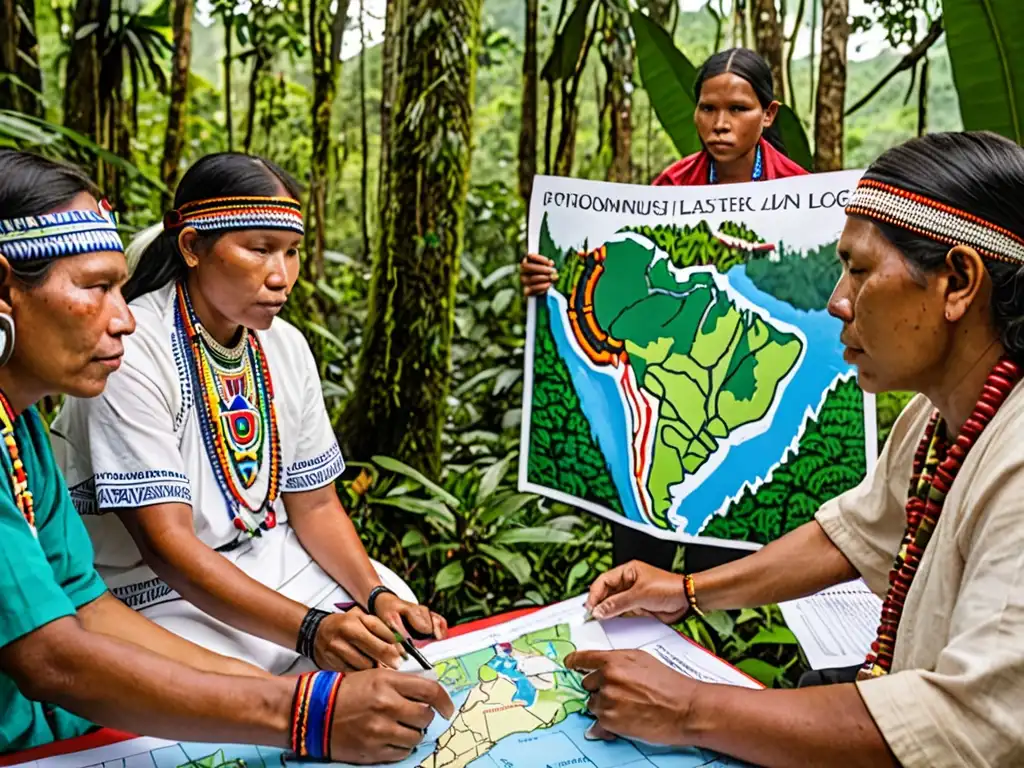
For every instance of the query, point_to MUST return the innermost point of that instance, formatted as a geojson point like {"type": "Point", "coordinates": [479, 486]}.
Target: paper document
{"type": "Point", "coordinates": [836, 626]}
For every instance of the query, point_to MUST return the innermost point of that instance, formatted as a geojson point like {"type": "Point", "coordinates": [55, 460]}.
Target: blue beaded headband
{"type": "Point", "coordinates": [59, 234]}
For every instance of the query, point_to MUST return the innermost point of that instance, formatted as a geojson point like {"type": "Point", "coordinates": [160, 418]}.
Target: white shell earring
{"type": "Point", "coordinates": [6, 337]}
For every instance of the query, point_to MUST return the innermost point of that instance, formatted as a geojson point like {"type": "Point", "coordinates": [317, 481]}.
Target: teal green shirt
{"type": "Point", "coordinates": [40, 581]}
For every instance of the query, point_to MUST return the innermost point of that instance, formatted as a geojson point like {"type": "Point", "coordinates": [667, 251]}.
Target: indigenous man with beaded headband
{"type": "Point", "coordinates": [932, 300]}
{"type": "Point", "coordinates": [70, 653]}
{"type": "Point", "coordinates": [205, 473]}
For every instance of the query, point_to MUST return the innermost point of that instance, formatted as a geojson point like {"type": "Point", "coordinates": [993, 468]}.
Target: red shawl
{"type": "Point", "coordinates": [694, 170]}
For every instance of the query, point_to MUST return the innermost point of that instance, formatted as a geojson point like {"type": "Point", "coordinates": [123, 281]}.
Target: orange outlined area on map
{"type": "Point", "coordinates": [598, 346]}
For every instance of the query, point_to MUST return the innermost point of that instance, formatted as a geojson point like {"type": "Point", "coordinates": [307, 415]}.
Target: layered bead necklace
{"type": "Point", "coordinates": [936, 465]}
{"type": "Point", "coordinates": [237, 418]}
{"type": "Point", "coordinates": [19, 480]}
{"type": "Point", "coordinates": [756, 175]}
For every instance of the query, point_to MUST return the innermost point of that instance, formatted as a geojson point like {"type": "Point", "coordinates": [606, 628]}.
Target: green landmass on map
{"type": "Point", "coordinates": [713, 366]}
{"type": "Point", "coordinates": [829, 460]}
{"type": "Point", "coordinates": [519, 687]}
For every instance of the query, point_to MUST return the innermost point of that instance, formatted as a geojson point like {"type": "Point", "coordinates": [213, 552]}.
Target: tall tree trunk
{"type": "Point", "coordinates": [828, 126]}
{"type": "Point", "coordinates": [229, 33]}
{"type": "Point", "coordinates": [260, 64]}
{"type": "Point", "coordinates": [812, 92]}
{"type": "Point", "coordinates": [325, 35]}
{"type": "Point", "coordinates": [528, 109]}
{"type": "Point", "coordinates": [922, 99]}
{"type": "Point", "coordinates": [364, 135]}
{"type": "Point", "coordinates": [768, 36]}
{"type": "Point", "coordinates": [404, 369]}
{"type": "Point", "coordinates": [393, 13]}
{"type": "Point", "coordinates": [618, 90]}
{"type": "Point", "coordinates": [82, 109]}
{"type": "Point", "coordinates": [174, 139]}
{"type": "Point", "coordinates": [790, 48]}
{"type": "Point", "coordinates": [565, 155]}
{"type": "Point", "coordinates": [19, 54]}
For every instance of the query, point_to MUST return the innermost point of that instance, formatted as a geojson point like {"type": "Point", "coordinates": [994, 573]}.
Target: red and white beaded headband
{"type": "Point", "coordinates": [935, 220]}
{"type": "Point", "coordinates": [223, 213]}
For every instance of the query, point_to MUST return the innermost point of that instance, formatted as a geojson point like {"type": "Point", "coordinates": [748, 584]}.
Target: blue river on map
{"type": "Point", "coordinates": [745, 463]}
{"type": "Point", "coordinates": [507, 667]}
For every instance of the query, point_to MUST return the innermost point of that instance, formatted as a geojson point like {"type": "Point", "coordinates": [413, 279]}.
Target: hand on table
{"type": "Point", "coordinates": [638, 589]}
{"type": "Point", "coordinates": [398, 614]}
{"type": "Point", "coordinates": [537, 274]}
{"type": "Point", "coordinates": [353, 641]}
{"type": "Point", "coordinates": [381, 715]}
{"type": "Point", "coordinates": [635, 696]}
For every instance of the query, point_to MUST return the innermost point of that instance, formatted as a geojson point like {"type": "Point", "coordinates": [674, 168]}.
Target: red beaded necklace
{"type": "Point", "coordinates": [19, 480]}
{"type": "Point", "coordinates": [936, 465]}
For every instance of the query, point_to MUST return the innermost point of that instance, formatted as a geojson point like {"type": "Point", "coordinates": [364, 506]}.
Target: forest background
{"type": "Point", "coordinates": [416, 127]}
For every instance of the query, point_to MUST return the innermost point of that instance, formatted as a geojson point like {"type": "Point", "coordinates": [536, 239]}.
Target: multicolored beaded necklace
{"type": "Point", "coordinates": [755, 176]}
{"type": "Point", "coordinates": [19, 480]}
{"type": "Point", "coordinates": [936, 465]}
{"type": "Point", "coordinates": [237, 417]}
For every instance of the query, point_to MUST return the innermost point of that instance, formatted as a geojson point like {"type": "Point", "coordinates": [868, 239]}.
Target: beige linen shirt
{"type": "Point", "coordinates": [955, 696]}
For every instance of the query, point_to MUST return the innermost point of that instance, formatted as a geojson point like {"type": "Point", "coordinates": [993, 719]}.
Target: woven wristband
{"type": "Point", "coordinates": [313, 713]}
{"type": "Point", "coordinates": [306, 644]}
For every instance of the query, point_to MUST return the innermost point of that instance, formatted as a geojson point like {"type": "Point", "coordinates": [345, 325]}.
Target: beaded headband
{"type": "Point", "coordinates": [238, 213]}
{"type": "Point", "coordinates": [934, 220]}
{"type": "Point", "coordinates": [60, 234]}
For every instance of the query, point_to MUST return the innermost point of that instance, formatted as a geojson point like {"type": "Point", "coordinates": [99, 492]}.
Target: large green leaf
{"type": "Point", "coordinates": [513, 562]}
{"type": "Point", "coordinates": [449, 577]}
{"type": "Point", "coordinates": [794, 137]}
{"type": "Point", "coordinates": [394, 465]}
{"type": "Point", "coordinates": [12, 122]}
{"type": "Point", "coordinates": [986, 49]}
{"type": "Point", "coordinates": [668, 77]}
{"type": "Point", "coordinates": [565, 53]}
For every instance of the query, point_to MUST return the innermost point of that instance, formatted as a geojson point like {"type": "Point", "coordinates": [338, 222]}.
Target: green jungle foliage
{"type": "Point", "coordinates": [563, 452]}
{"type": "Point", "coordinates": [802, 279]}
{"type": "Point", "coordinates": [697, 246]}
{"type": "Point", "coordinates": [820, 469]}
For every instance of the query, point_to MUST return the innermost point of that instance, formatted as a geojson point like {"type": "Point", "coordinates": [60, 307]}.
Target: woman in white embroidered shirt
{"type": "Point", "coordinates": [213, 447]}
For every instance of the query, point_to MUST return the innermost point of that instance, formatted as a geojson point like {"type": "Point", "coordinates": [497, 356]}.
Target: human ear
{"type": "Point", "coordinates": [188, 241]}
{"type": "Point", "coordinates": [6, 275]}
{"type": "Point", "coordinates": [964, 280]}
{"type": "Point", "coordinates": [770, 113]}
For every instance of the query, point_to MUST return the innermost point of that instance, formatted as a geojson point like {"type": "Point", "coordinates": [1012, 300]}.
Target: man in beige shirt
{"type": "Point", "coordinates": [930, 302]}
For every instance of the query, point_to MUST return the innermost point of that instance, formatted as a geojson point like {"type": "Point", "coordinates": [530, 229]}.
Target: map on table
{"type": "Point", "coordinates": [684, 375]}
{"type": "Point", "coordinates": [517, 706]}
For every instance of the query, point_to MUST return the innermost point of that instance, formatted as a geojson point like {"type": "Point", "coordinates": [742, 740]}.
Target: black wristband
{"type": "Point", "coordinates": [371, 601]}
{"type": "Point", "coordinates": [306, 644]}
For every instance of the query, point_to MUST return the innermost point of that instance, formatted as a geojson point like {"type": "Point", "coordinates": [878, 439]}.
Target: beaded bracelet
{"type": "Point", "coordinates": [306, 644]}
{"type": "Point", "coordinates": [313, 713]}
{"type": "Point", "coordinates": [691, 595]}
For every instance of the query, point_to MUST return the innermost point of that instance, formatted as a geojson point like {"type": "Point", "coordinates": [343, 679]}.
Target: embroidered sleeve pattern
{"type": "Point", "coordinates": [316, 472]}
{"type": "Point", "coordinates": [120, 490]}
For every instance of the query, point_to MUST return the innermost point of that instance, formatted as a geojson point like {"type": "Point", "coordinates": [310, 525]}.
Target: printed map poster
{"type": "Point", "coordinates": [684, 376]}
{"type": "Point", "coordinates": [517, 705]}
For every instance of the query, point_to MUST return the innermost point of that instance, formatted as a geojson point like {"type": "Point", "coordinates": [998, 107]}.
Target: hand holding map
{"type": "Point", "coordinates": [638, 589]}
{"type": "Point", "coordinates": [634, 696]}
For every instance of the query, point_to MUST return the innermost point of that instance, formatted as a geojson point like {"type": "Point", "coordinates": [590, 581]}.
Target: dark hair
{"type": "Point", "coordinates": [744, 63]}
{"type": "Point", "coordinates": [977, 172]}
{"type": "Point", "coordinates": [32, 185]}
{"type": "Point", "coordinates": [226, 174]}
